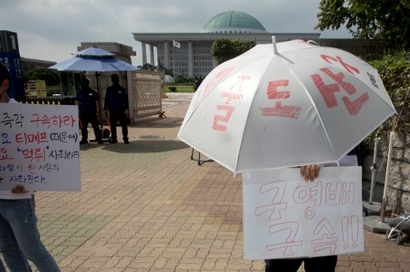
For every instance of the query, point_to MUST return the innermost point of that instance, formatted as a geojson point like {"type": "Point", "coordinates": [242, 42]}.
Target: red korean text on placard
{"type": "Point", "coordinates": [350, 231]}
{"type": "Point", "coordinates": [328, 91]}
{"type": "Point", "coordinates": [285, 233]}
{"type": "Point", "coordinates": [226, 110]}
{"type": "Point", "coordinates": [328, 193]}
{"type": "Point", "coordinates": [53, 121]}
{"type": "Point", "coordinates": [324, 237]}
{"type": "Point", "coordinates": [278, 96]}
{"type": "Point", "coordinates": [28, 138]}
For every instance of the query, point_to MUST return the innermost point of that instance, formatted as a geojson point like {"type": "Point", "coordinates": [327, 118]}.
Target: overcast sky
{"type": "Point", "coordinates": [52, 29]}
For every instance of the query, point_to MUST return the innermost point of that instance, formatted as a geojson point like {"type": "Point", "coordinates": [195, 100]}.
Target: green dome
{"type": "Point", "coordinates": [233, 22]}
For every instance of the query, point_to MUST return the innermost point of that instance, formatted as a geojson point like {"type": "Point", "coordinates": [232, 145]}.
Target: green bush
{"type": "Point", "coordinates": [394, 70]}
{"type": "Point", "coordinates": [172, 89]}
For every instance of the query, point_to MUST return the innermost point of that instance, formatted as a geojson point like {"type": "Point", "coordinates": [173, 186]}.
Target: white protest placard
{"type": "Point", "coordinates": [39, 147]}
{"type": "Point", "coordinates": [286, 217]}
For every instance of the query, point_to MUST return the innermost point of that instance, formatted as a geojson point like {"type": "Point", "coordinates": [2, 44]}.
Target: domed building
{"type": "Point", "coordinates": [190, 53]}
{"type": "Point", "coordinates": [233, 22]}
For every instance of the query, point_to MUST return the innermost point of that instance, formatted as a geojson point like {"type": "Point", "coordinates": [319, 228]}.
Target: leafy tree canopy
{"type": "Point", "coordinates": [369, 19]}
{"type": "Point", "coordinates": [51, 77]}
{"type": "Point", "coordinates": [394, 70]}
{"type": "Point", "coordinates": [148, 66]}
{"type": "Point", "coordinates": [225, 49]}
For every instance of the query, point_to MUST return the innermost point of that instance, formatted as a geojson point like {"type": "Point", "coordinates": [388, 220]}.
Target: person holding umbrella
{"type": "Point", "coordinates": [19, 235]}
{"type": "Point", "coordinates": [116, 104]}
{"type": "Point", "coordinates": [88, 105]}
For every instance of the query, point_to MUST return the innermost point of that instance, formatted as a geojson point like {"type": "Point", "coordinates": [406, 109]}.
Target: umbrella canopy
{"type": "Point", "coordinates": [94, 59]}
{"type": "Point", "coordinates": [283, 105]}
{"type": "Point", "coordinates": [94, 64]}
{"type": "Point", "coordinates": [95, 51]}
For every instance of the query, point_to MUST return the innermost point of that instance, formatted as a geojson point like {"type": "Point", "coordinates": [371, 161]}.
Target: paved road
{"type": "Point", "coordinates": [147, 206]}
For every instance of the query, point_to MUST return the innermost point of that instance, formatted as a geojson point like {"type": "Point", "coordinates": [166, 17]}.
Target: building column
{"type": "Point", "coordinates": [166, 55]}
{"type": "Point", "coordinates": [151, 51]}
{"type": "Point", "coordinates": [144, 53]}
{"type": "Point", "coordinates": [190, 59]}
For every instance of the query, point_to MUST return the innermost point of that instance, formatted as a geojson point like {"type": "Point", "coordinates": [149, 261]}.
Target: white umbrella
{"type": "Point", "coordinates": [283, 105]}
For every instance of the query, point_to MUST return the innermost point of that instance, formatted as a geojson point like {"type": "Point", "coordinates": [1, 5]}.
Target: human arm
{"type": "Point", "coordinates": [77, 100]}
{"type": "Point", "coordinates": [126, 111]}
{"type": "Point", "coordinates": [107, 99]}
{"type": "Point", "coordinates": [106, 102]}
{"type": "Point", "coordinates": [97, 104]}
{"type": "Point", "coordinates": [97, 107]}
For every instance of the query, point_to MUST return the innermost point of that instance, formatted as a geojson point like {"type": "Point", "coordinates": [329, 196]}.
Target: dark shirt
{"type": "Point", "coordinates": [87, 100]}
{"type": "Point", "coordinates": [116, 97]}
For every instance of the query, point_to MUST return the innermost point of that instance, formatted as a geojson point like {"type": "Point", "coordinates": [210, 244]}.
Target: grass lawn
{"type": "Point", "coordinates": [180, 88]}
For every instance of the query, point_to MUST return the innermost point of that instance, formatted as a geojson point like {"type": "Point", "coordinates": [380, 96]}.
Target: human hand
{"type": "Point", "coordinates": [126, 112]}
{"type": "Point", "coordinates": [19, 189]}
{"type": "Point", "coordinates": [310, 172]}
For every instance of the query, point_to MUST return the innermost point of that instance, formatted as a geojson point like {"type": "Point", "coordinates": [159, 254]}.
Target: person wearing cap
{"type": "Point", "coordinates": [89, 109]}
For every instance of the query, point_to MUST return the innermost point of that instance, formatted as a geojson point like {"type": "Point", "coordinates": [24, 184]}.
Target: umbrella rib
{"type": "Point", "coordinates": [244, 126]}
{"type": "Point", "coordinates": [323, 125]}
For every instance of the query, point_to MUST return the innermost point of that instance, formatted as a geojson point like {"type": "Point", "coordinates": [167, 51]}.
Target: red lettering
{"type": "Point", "coordinates": [350, 68]}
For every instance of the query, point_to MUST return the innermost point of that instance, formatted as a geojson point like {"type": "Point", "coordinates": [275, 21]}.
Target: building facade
{"type": "Point", "coordinates": [189, 54]}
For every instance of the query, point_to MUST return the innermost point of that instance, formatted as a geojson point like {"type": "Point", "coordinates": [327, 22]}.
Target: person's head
{"type": "Point", "coordinates": [85, 83]}
{"type": "Point", "coordinates": [5, 81]}
{"type": "Point", "coordinates": [115, 79]}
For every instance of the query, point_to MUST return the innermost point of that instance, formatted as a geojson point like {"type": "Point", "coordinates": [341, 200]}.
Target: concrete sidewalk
{"type": "Point", "coordinates": [147, 206]}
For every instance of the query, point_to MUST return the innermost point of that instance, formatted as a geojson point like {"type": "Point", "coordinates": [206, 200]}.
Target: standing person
{"type": "Point", "coordinates": [19, 236]}
{"type": "Point", "coordinates": [315, 264]}
{"type": "Point", "coordinates": [116, 103]}
{"type": "Point", "coordinates": [88, 105]}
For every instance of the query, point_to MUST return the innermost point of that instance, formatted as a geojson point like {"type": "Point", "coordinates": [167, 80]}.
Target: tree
{"type": "Point", "coordinates": [225, 49]}
{"type": "Point", "coordinates": [148, 66]}
{"type": "Point", "coordinates": [394, 71]}
{"type": "Point", "coordinates": [51, 77]}
{"type": "Point", "coordinates": [369, 19]}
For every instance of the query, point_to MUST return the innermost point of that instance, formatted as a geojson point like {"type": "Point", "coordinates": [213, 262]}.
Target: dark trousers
{"type": "Point", "coordinates": [115, 116]}
{"type": "Point", "coordinates": [317, 264]}
{"type": "Point", "coordinates": [89, 118]}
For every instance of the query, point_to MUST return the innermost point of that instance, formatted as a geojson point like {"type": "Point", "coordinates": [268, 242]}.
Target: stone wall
{"type": "Point", "coordinates": [398, 189]}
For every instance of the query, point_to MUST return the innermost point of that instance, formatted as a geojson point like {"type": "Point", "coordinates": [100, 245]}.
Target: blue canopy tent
{"type": "Point", "coordinates": [94, 59]}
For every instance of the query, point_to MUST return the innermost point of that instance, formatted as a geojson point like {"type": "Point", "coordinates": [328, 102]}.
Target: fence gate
{"type": "Point", "coordinates": [144, 92]}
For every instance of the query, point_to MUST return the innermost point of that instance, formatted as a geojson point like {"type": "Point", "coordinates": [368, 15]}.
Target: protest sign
{"type": "Point", "coordinates": [286, 217]}
{"type": "Point", "coordinates": [39, 147]}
